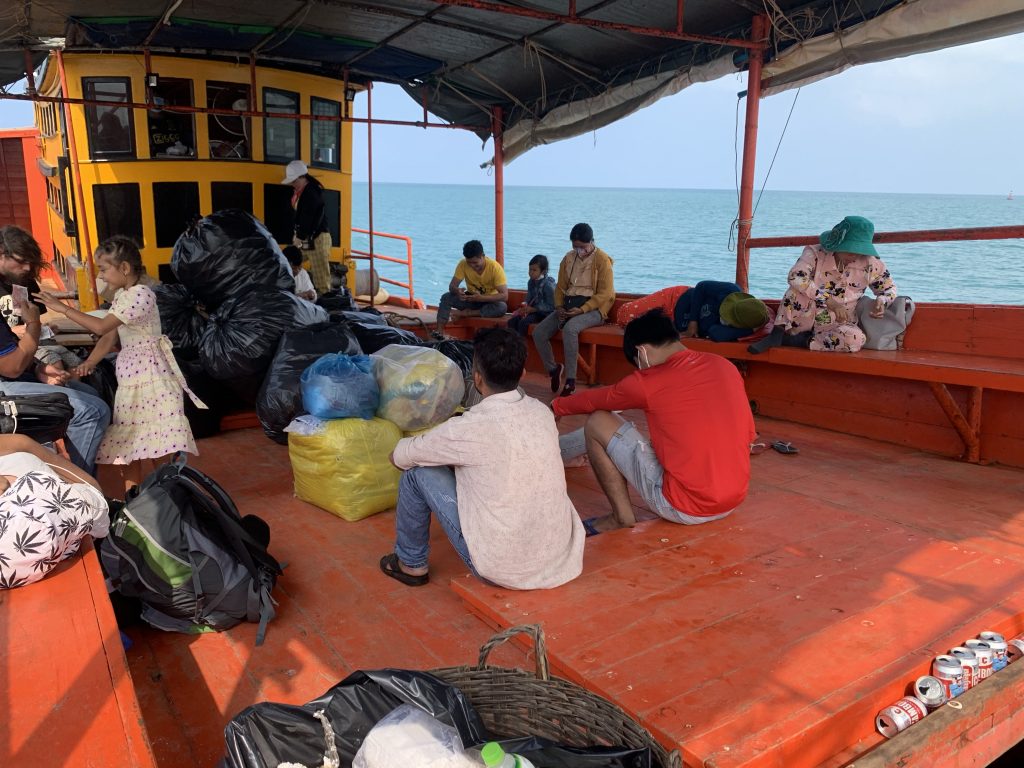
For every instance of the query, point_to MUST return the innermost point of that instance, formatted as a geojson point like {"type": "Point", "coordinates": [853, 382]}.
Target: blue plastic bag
{"type": "Point", "coordinates": [340, 386]}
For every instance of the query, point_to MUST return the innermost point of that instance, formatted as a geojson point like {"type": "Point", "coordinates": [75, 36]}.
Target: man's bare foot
{"type": "Point", "coordinates": [579, 461]}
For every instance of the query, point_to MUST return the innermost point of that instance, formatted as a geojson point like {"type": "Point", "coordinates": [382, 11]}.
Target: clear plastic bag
{"type": "Point", "coordinates": [419, 387]}
{"type": "Point", "coordinates": [340, 386]}
{"type": "Point", "coordinates": [408, 737]}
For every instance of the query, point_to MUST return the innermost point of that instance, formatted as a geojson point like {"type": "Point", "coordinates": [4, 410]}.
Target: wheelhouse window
{"type": "Point", "coordinates": [118, 210]}
{"type": "Point", "coordinates": [229, 134]}
{"type": "Point", "coordinates": [325, 136]}
{"type": "Point", "coordinates": [110, 128]}
{"type": "Point", "coordinates": [280, 135]}
{"type": "Point", "coordinates": [171, 134]}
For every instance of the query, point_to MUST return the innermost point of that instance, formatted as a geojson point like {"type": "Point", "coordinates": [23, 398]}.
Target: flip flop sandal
{"type": "Point", "coordinates": [591, 529]}
{"type": "Point", "coordinates": [389, 565]}
{"type": "Point", "coordinates": [785, 447]}
{"type": "Point", "coordinates": [757, 448]}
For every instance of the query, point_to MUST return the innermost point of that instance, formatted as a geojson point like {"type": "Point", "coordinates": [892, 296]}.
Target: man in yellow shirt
{"type": "Point", "coordinates": [486, 291]}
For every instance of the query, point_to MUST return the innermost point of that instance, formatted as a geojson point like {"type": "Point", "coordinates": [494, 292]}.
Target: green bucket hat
{"type": "Point", "coordinates": [851, 235]}
{"type": "Point", "coordinates": [741, 310]}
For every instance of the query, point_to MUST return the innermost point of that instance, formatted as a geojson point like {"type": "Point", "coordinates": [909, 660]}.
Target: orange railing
{"type": "Point", "coordinates": [372, 256]}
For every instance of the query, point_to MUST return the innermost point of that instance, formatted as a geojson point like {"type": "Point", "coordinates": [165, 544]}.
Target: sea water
{"type": "Point", "coordinates": [662, 237]}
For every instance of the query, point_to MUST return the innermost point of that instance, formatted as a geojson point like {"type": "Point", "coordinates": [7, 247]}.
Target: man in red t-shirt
{"type": "Point", "coordinates": [696, 466]}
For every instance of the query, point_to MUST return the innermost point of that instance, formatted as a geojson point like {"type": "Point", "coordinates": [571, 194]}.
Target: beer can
{"type": "Point", "coordinates": [930, 690]}
{"type": "Point", "coordinates": [899, 716]}
{"type": "Point", "coordinates": [1014, 649]}
{"type": "Point", "coordinates": [998, 645]}
{"type": "Point", "coordinates": [984, 653]}
{"type": "Point", "coordinates": [950, 672]}
{"type": "Point", "coordinates": [972, 671]}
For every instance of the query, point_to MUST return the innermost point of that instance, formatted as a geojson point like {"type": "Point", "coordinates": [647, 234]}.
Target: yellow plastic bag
{"type": "Point", "coordinates": [345, 469]}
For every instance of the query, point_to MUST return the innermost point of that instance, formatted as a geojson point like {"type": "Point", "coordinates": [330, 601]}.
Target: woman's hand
{"type": "Point", "coordinates": [51, 302]}
{"type": "Point", "coordinates": [297, 242]}
{"type": "Point", "coordinates": [838, 309]}
{"type": "Point", "coordinates": [879, 309]}
{"type": "Point", "coordinates": [523, 310]}
{"type": "Point", "coordinates": [691, 330]}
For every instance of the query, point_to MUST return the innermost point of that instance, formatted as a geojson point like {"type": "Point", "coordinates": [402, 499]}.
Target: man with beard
{"type": "Point", "coordinates": [20, 262]}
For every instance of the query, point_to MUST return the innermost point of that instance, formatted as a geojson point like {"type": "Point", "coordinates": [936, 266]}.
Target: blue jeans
{"type": "Point", "coordinates": [88, 423]}
{"type": "Point", "coordinates": [451, 301]}
{"type": "Point", "coordinates": [423, 490]}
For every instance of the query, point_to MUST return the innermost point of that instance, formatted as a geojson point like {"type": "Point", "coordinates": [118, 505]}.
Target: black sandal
{"type": "Point", "coordinates": [390, 566]}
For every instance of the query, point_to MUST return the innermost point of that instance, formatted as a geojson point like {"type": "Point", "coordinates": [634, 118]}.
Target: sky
{"type": "Point", "coordinates": [943, 122]}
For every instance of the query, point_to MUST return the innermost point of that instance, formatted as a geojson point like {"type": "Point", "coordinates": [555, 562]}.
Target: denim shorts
{"type": "Point", "coordinates": [635, 459]}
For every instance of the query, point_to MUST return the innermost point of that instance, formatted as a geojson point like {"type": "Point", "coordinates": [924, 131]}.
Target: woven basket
{"type": "Point", "coordinates": [514, 703]}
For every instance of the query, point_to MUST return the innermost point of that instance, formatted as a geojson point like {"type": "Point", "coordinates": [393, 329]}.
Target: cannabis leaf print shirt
{"type": "Point", "coordinates": [43, 519]}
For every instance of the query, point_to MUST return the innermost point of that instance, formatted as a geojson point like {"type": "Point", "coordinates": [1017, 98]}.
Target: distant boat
{"type": "Point", "coordinates": [1010, 196]}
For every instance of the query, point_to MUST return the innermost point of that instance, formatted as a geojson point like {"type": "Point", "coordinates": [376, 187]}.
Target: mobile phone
{"type": "Point", "coordinates": [19, 295]}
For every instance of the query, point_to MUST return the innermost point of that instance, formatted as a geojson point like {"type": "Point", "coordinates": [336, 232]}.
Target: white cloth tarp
{"type": "Point", "coordinates": [587, 115]}
{"type": "Point", "coordinates": [916, 26]}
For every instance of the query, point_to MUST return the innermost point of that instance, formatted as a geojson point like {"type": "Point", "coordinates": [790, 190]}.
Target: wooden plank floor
{"type": "Point", "coordinates": [768, 638]}
{"type": "Point", "coordinates": [774, 636]}
{"type": "Point", "coordinates": [65, 692]}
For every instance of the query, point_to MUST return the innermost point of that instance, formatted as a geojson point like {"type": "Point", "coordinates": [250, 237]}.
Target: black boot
{"type": "Point", "coordinates": [802, 340]}
{"type": "Point", "coordinates": [773, 339]}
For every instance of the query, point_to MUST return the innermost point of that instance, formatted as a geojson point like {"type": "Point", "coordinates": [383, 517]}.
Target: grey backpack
{"type": "Point", "coordinates": [886, 332]}
{"type": "Point", "coordinates": [180, 547]}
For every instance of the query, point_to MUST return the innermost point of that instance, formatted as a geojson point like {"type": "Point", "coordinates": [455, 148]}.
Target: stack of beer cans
{"type": "Point", "coordinates": [953, 673]}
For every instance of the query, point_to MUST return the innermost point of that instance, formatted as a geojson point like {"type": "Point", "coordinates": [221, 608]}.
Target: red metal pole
{"type": "Point", "coordinates": [585, 21]}
{"type": "Point", "coordinates": [499, 188]}
{"type": "Point", "coordinates": [905, 236]}
{"type": "Point", "coordinates": [83, 219]}
{"type": "Point", "coordinates": [369, 175]}
{"type": "Point", "coordinates": [758, 33]}
{"type": "Point", "coordinates": [188, 110]}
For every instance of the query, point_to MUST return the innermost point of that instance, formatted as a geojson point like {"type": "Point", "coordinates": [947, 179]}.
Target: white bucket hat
{"type": "Point", "coordinates": [294, 170]}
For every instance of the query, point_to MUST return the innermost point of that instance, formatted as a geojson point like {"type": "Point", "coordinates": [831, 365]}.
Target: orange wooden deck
{"type": "Point", "coordinates": [770, 638]}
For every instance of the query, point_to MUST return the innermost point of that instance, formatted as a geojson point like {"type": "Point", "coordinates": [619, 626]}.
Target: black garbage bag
{"type": "Point", "coordinates": [104, 380]}
{"type": "Point", "coordinates": [265, 735]}
{"type": "Point", "coordinates": [365, 315]}
{"type": "Point", "coordinates": [337, 301]}
{"type": "Point", "coordinates": [280, 398]}
{"type": "Point", "coordinates": [226, 254]}
{"type": "Point", "coordinates": [180, 318]}
{"type": "Point", "coordinates": [241, 337]}
{"type": "Point", "coordinates": [205, 422]}
{"type": "Point", "coordinates": [373, 337]}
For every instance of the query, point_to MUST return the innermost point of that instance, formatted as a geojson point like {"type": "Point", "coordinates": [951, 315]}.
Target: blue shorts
{"type": "Point", "coordinates": [635, 459]}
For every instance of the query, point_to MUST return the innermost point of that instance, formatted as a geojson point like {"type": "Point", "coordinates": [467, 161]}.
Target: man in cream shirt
{"type": "Point", "coordinates": [493, 477]}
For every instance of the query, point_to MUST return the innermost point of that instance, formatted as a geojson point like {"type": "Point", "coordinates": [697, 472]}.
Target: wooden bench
{"type": "Point", "coordinates": [69, 698]}
{"type": "Point", "coordinates": [947, 345]}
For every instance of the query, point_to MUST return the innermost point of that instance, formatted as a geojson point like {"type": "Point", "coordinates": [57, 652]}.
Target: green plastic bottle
{"type": "Point", "coordinates": [496, 757]}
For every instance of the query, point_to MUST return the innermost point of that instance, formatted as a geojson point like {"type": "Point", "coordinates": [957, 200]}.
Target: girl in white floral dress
{"type": "Point", "coordinates": [149, 418]}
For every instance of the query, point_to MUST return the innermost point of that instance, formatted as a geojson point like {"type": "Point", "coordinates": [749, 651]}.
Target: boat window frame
{"type": "Point", "coordinates": [242, 115]}
{"type": "Point", "coordinates": [92, 118]}
{"type": "Point", "coordinates": [281, 159]}
{"type": "Point", "coordinates": [314, 124]}
{"type": "Point", "coordinates": [189, 116]}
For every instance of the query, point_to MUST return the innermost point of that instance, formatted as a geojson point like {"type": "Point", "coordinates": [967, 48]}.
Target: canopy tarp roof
{"type": "Point", "coordinates": [554, 76]}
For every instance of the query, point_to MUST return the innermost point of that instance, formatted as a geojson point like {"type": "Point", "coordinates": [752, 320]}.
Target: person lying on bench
{"type": "Point", "coordinates": [494, 480]}
{"type": "Point", "coordinates": [47, 505]}
{"type": "Point", "coordinates": [486, 291]}
{"type": "Point", "coordinates": [718, 311]}
{"type": "Point", "coordinates": [696, 466]}
{"type": "Point", "coordinates": [584, 294]}
{"type": "Point", "coordinates": [819, 309]}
